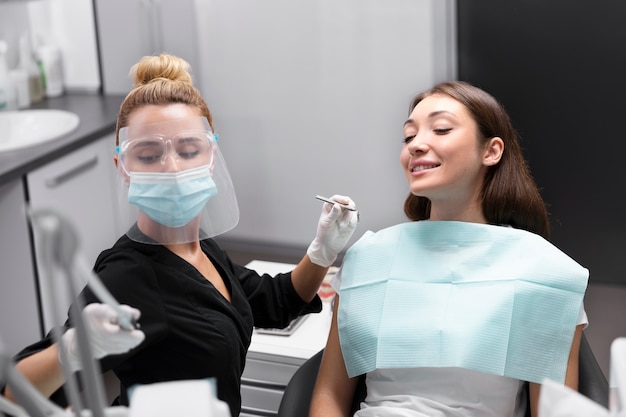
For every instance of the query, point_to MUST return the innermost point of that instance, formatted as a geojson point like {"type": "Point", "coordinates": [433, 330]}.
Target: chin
{"type": "Point", "coordinates": [418, 191]}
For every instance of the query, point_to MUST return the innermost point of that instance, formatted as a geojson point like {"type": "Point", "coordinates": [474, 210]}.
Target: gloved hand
{"type": "Point", "coordinates": [334, 229]}
{"type": "Point", "coordinates": [106, 337]}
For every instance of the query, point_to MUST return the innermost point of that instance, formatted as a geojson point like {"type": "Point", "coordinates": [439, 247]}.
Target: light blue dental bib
{"type": "Point", "coordinates": [454, 294]}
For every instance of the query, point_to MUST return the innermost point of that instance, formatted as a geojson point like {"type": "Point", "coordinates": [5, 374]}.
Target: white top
{"type": "Point", "coordinates": [441, 392]}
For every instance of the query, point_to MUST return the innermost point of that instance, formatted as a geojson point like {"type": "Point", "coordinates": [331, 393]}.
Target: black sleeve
{"type": "Point", "coordinates": [273, 300]}
{"type": "Point", "coordinates": [131, 279]}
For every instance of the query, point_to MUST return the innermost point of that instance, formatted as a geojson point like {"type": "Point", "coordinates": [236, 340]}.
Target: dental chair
{"type": "Point", "coordinates": [296, 399]}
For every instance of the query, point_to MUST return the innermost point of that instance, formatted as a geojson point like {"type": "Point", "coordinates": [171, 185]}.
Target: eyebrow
{"type": "Point", "coordinates": [430, 116]}
{"type": "Point", "coordinates": [145, 143]}
{"type": "Point", "coordinates": [190, 138]}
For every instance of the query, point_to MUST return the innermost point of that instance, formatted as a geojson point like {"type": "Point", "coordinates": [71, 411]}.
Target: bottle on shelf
{"type": "Point", "coordinates": [28, 63]}
{"type": "Point", "coordinates": [8, 95]}
{"type": "Point", "coordinates": [19, 77]}
{"type": "Point", "coordinates": [50, 61]}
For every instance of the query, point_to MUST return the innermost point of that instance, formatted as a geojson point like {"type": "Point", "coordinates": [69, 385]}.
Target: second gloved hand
{"type": "Point", "coordinates": [106, 337]}
{"type": "Point", "coordinates": [334, 229]}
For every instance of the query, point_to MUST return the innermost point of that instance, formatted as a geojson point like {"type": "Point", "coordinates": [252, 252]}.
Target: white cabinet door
{"type": "Point", "coordinates": [19, 312]}
{"type": "Point", "coordinates": [80, 186]}
{"type": "Point", "coordinates": [272, 359]}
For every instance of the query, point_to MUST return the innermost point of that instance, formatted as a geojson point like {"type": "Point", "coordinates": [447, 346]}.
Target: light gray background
{"type": "Point", "coordinates": [310, 99]}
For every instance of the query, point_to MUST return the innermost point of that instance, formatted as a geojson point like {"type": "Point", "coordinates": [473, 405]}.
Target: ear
{"type": "Point", "coordinates": [493, 151]}
{"type": "Point", "coordinates": [124, 176]}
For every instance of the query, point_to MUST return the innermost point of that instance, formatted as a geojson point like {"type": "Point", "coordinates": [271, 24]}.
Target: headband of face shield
{"type": "Point", "coordinates": [174, 183]}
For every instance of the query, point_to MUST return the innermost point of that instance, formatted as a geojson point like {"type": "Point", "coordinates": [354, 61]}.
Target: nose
{"type": "Point", "coordinates": [169, 160]}
{"type": "Point", "coordinates": [418, 144]}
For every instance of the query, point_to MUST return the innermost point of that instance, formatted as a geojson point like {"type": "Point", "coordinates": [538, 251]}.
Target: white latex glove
{"type": "Point", "coordinates": [334, 229]}
{"type": "Point", "coordinates": [106, 337]}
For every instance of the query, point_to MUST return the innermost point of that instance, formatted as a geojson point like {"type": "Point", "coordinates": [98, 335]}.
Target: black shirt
{"type": "Point", "coordinates": [191, 330]}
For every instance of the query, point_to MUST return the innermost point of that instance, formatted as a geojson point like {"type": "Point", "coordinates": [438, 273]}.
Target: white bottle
{"type": "Point", "coordinates": [8, 99]}
{"type": "Point", "coordinates": [50, 57]}
{"type": "Point", "coordinates": [20, 82]}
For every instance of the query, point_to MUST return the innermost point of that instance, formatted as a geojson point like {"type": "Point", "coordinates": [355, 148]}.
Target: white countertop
{"type": "Point", "coordinates": [308, 339]}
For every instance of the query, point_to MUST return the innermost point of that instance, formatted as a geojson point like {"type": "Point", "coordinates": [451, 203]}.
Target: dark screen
{"type": "Point", "coordinates": [559, 68]}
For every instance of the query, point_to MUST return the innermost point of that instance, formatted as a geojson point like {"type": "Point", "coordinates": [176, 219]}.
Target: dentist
{"type": "Point", "coordinates": [197, 307]}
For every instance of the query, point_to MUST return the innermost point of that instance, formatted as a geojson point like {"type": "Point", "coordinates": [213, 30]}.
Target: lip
{"type": "Point", "coordinates": [421, 165]}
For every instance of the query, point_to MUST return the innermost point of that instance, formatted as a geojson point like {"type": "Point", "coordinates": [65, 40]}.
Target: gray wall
{"type": "Point", "coordinates": [310, 97]}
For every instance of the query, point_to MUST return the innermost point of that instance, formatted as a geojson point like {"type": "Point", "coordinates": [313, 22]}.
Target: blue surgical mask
{"type": "Point", "coordinates": [172, 199]}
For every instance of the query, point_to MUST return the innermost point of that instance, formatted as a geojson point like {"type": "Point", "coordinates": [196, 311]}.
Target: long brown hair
{"type": "Point", "coordinates": [509, 193]}
{"type": "Point", "coordinates": [161, 80]}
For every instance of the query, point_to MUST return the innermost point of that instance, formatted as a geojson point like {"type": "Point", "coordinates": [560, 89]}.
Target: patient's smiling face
{"type": "Point", "coordinates": [443, 156]}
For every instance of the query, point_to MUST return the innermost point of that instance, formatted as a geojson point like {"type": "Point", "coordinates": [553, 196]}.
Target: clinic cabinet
{"type": "Point", "coordinates": [19, 323]}
{"type": "Point", "coordinates": [264, 381]}
{"type": "Point", "coordinates": [80, 186]}
{"type": "Point", "coordinates": [273, 359]}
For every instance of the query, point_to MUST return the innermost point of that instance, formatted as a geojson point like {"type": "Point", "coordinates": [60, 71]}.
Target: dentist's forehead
{"type": "Point", "coordinates": [167, 128]}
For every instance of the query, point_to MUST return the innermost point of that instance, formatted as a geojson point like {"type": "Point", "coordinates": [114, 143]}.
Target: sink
{"type": "Point", "coordinates": [23, 128]}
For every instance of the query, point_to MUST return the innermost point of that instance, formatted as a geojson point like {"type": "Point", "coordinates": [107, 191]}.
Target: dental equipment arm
{"type": "Point", "coordinates": [33, 403]}
{"type": "Point", "coordinates": [110, 321]}
{"type": "Point", "coordinates": [11, 409]}
{"type": "Point", "coordinates": [60, 256]}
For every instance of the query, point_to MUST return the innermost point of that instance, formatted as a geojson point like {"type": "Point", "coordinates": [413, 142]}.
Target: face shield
{"type": "Point", "coordinates": [174, 183]}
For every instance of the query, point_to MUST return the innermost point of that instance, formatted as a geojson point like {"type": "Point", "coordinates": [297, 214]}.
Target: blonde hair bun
{"type": "Point", "coordinates": [162, 66]}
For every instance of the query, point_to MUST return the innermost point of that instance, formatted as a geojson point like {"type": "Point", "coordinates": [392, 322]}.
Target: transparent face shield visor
{"type": "Point", "coordinates": [174, 184]}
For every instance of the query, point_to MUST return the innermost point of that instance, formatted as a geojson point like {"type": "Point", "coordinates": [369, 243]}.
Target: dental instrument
{"type": "Point", "coordinates": [328, 200]}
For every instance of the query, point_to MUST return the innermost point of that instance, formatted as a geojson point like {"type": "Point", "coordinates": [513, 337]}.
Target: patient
{"type": "Point", "coordinates": [452, 313]}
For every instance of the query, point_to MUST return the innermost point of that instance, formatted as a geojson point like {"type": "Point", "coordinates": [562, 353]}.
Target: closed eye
{"type": "Point", "coordinates": [444, 131]}
{"type": "Point", "coordinates": [149, 159]}
{"type": "Point", "coordinates": [189, 155]}
{"type": "Point", "coordinates": [408, 139]}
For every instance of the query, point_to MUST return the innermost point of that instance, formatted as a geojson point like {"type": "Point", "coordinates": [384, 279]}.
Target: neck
{"type": "Point", "coordinates": [185, 250]}
{"type": "Point", "coordinates": [472, 213]}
